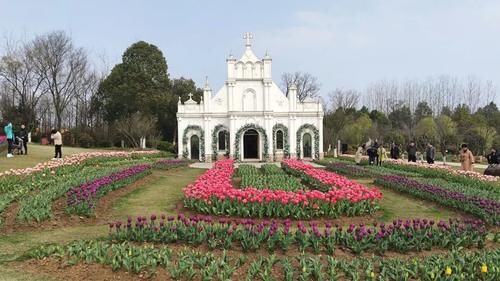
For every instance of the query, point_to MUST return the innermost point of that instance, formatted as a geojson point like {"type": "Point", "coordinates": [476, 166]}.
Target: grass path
{"type": "Point", "coordinates": [36, 154]}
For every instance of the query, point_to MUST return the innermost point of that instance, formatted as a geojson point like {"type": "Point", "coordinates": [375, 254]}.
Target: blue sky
{"type": "Point", "coordinates": [346, 44]}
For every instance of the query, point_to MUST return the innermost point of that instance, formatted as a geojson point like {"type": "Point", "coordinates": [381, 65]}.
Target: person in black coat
{"type": "Point", "coordinates": [493, 157]}
{"type": "Point", "coordinates": [23, 134]}
{"type": "Point", "coordinates": [412, 152]}
{"type": "Point", "coordinates": [395, 151]}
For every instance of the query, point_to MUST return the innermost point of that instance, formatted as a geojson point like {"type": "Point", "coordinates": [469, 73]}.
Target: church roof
{"type": "Point", "coordinates": [248, 55]}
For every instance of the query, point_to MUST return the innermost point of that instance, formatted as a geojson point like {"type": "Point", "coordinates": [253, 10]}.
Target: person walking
{"type": "Point", "coordinates": [394, 151]}
{"type": "Point", "coordinates": [359, 154]}
{"type": "Point", "coordinates": [466, 158]}
{"type": "Point", "coordinates": [412, 152]}
{"type": "Point", "coordinates": [57, 138]}
{"type": "Point", "coordinates": [430, 153]}
{"type": "Point", "coordinates": [382, 155]}
{"type": "Point", "coordinates": [9, 134]}
{"type": "Point", "coordinates": [23, 134]}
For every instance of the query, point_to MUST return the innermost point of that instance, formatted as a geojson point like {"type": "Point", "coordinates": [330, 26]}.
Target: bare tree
{"type": "Point", "coordinates": [307, 85]}
{"type": "Point", "coordinates": [62, 67]}
{"type": "Point", "coordinates": [340, 98]}
{"type": "Point", "coordinates": [136, 126]}
{"type": "Point", "coordinates": [19, 75]}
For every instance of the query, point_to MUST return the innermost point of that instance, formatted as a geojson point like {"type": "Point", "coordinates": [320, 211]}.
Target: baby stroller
{"type": "Point", "coordinates": [18, 146]}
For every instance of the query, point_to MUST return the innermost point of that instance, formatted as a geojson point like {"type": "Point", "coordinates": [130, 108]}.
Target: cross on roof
{"type": "Point", "coordinates": [190, 96]}
{"type": "Point", "coordinates": [248, 37]}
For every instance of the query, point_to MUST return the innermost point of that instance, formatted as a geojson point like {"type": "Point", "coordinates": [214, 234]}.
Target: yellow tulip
{"type": "Point", "coordinates": [484, 268]}
{"type": "Point", "coordinates": [372, 274]}
{"type": "Point", "coordinates": [448, 270]}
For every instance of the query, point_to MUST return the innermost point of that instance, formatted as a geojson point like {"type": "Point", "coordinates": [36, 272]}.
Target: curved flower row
{"type": "Point", "coordinates": [486, 209]}
{"type": "Point", "coordinates": [449, 169]}
{"type": "Point", "coordinates": [72, 160]}
{"type": "Point", "coordinates": [214, 193]}
{"type": "Point", "coordinates": [81, 199]}
{"type": "Point", "coordinates": [338, 185]}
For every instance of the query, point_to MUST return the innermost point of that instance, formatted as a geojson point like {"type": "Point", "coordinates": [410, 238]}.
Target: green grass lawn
{"type": "Point", "coordinates": [36, 154]}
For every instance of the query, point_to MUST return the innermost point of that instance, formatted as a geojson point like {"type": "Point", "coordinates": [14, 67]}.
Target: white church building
{"type": "Point", "coordinates": [250, 118]}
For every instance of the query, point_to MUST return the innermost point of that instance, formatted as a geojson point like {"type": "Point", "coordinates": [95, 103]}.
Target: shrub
{"type": "Point", "coordinates": [165, 146]}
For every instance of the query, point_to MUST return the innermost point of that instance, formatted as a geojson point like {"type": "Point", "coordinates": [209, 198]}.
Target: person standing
{"type": "Point", "coordinates": [23, 134]}
{"type": "Point", "coordinates": [57, 138]}
{"type": "Point", "coordinates": [394, 151]}
{"type": "Point", "coordinates": [382, 155]}
{"type": "Point", "coordinates": [493, 157]}
{"type": "Point", "coordinates": [375, 151]}
{"type": "Point", "coordinates": [359, 154]}
{"type": "Point", "coordinates": [430, 153]}
{"type": "Point", "coordinates": [412, 152]}
{"type": "Point", "coordinates": [371, 151]}
{"type": "Point", "coordinates": [466, 158]}
{"type": "Point", "coordinates": [10, 138]}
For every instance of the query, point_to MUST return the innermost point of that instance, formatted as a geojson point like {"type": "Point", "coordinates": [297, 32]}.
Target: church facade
{"type": "Point", "coordinates": [249, 118]}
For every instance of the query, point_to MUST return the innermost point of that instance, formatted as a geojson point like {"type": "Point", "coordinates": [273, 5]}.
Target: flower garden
{"type": "Point", "coordinates": [293, 221]}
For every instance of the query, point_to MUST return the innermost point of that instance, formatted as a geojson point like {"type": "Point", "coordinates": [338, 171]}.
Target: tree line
{"type": "Point", "coordinates": [48, 82]}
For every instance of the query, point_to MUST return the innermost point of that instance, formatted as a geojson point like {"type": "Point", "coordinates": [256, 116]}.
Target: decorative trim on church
{"type": "Point", "coordinates": [286, 145]}
{"type": "Point", "coordinates": [243, 129]}
{"type": "Point", "coordinates": [197, 129]}
{"type": "Point", "coordinates": [215, 140]}
{"type": "Point", "coordinates": [316, 140]}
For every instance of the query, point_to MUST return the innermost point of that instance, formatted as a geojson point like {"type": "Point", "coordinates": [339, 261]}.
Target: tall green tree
{"type": "Point", "coordinates": [139, 84]}
{"type": "Point", "coordinates": [167, 117]}
{"type": "Point", "coordinates": [423, 110]}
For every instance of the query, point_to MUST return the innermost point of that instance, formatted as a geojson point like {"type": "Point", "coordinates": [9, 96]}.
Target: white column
{"type": "Point", "coordinates": [269, 132]}
{"type": "Point", "coordinates": [232, 136]}
{"type": "Point", "coordinates": [320, 129]}
{"type": "Point", "coordinates": [230, 95]}
{"type": "Point", "coordinates": [208, 139]}
{"type": "Point", "coordinates": [292, 131]}
{"type": "Point", "coordinates": [267, 93]}
{"type": "Point", "coordinates": [180, 130]}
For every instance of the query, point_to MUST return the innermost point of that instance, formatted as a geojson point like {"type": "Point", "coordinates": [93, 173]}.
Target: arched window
{"type": "Point", "coordinates": [279, 139]}
{"type": "Point", "coordinates": [222, 140]}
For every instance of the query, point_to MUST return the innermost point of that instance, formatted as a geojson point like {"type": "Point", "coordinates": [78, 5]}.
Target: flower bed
{"type": "Point", "coordinates": [83, 198]}
{"type": "Point", "coordinates": [167, 164]}
{"type": "Point", "coordinates": [187, 264]}
{"type": "Point", "coordinates": [443, 171]}
{"type": "Point", "coordinates": [213, 193]}
{"type": "Point", "coordinates": [486, 209]}
{"type": "Point", "coordinates": [74, 159]}
{"type": "Point", "coordinates": [349, 169]}
{"type": "Point", "coordinates": [273, 182]}
{"type": "Point", "coordinates": [401, 236]}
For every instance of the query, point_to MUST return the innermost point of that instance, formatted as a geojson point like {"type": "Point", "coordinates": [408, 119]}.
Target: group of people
{"type": "Point", "coordinates": [377, 154]}
{"type": "Point", "coordinates": [18, 141]}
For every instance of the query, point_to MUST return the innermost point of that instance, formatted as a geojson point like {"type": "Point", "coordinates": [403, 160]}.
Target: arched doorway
{"type": "Point", "coordinates": [251, 145]}
{"type": "Point", "coordinates": [195, 147]}
{"type": "Point", "coordinates": [307, 145]}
